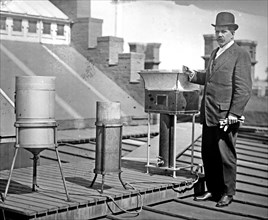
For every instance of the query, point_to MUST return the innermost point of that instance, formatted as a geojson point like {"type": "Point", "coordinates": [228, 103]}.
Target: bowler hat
{"type": "Point", "coordinates": [225, 19]}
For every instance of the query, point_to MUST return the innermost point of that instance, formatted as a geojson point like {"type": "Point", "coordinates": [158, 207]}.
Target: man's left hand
{"type": "Point", "coordinates": [232, 119]}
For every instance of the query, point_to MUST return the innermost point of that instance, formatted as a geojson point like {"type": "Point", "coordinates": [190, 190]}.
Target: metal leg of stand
{"type": "Point", "coordinates": [10, 173]}
{"type": "Point", "coordinates": [192, 150]}
{"type": "Point", "coordinates": [102, 182]}
{"type": "Point", "coordinates": [148, 143]}
{"type": "Point", "coordinates": [35, 159]}
{"type": "Point", "coordinates": [174, 146]}
{"type": "Point", "coordinates": [62, 176]}
{"type": "Point", "coordinates": [59, 161]}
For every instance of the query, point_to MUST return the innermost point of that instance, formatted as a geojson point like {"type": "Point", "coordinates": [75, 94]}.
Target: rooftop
{"type": "Point", "coordinates": [156, 195]}
{"type": "Point", "coordinates": [42, 8]}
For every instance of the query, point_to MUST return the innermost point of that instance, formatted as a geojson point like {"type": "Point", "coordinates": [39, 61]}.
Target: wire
{"type": "Point", "coordinates": [126, 211]}
{"type": "Point", "coordinates": [187, 184]}
{"type": "Point", "coordinates": [107, 196]}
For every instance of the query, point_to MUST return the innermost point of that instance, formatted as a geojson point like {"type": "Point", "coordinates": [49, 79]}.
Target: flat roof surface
{"type": "Point", "coordinates": [160, 195]}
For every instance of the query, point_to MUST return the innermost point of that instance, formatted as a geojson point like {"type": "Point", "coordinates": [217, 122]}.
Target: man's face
{"type": "Point", "coordinates": [223, 35]}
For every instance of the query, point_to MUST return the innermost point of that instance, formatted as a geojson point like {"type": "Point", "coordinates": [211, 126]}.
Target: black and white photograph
{"type": "Point", "coordinates": [133, 109]}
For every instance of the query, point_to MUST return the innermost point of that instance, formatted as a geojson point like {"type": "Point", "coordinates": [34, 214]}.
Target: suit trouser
{"type": "Point", "coordinates": [219, 158]}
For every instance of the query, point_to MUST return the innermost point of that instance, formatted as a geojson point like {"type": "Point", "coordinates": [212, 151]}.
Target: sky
{"type": "Point", "coordinates": [180, 25]}
{"type": "Point", "coordinates": [256, 7]}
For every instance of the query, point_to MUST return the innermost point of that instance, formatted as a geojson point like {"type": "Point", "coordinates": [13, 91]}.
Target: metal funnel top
{"type": "Point", "coordinates": [167, 80]}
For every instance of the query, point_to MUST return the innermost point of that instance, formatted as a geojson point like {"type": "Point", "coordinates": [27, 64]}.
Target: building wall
{"type": "Point", "coordinates": [79, 32]}
{"type": "Point", "coordinates": [94, 31]}
{"type": "Point", "coordinates": [131, 63]}
{"type": "Point", "coordinates": [8, 31]}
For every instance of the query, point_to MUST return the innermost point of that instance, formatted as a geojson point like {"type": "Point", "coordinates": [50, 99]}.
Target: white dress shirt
{"type": "Point", "coordinates": [219, 52]}
{"type": "Point", "coordinates": [225, 47]}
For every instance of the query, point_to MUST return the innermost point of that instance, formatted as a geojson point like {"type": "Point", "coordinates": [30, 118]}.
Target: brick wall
{"type": "Point", "coordinates": [106, 52]}
{"type": "Point", "coordinates": [109, 47]}
{"type": "Point", "coordinates": [122, 68]}
{"type": "Point", "coordinates": [79, 32]}
{"type": "Point", "coordinates": [131, 64]}
{"type": "Point", "coordinates": [94, 31]}
{"type": "Point", "coordinates": [151, 51]}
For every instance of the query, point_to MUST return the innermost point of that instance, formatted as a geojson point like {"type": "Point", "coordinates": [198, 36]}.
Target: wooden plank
{"type": "Point", "coordinates": [79, 176]}
{"type": "Point", "coordinates": [252, 159]}
{"type": "Point", "coordinates": [243, 166]}
{"type": "Point", "coordinates": [246, 170]}
{"type": "Point", "coordinates": [66, 158]}
{"type": "Point", "coordinates": [253, 144]}
{"type": "Point", "coordinates": [252, 148]}
{"type": "Point", "coordinates": [14, 208]}
{"type": "Point", "coordinates": [142, 139]}
{"type": "Point", "coordinates": [252, 188]}
{"type": "Point", "coordinates": [207, 210]}
{"type": "Point", "coordinates": [250, 152]}
{"type": "Point", "coordinates": [36, 204]}
{"type": "Point", "coordinates": [252, 180]}
{"type": "Point", "coordinates": [147, 213]}
{"type": "Point", "coordinates": [22, 204]}
{"type": "Point", "coordinates": [245, 197]}
{"type": "Point", "coordinates": [80, 198]}
{"type": "Point", "coordinates": [75, 152]}
{"type": "Point", "coordinates": [133, 142]}
{"type": "Point", "coordinates": [42, 176]}
{"type": "Point", "coordinates": [41, 197]}
{"type": "Point", "coordinates": [53, 183]}
{"type": "Point", "coordinates": [86, 146]}
{"type": "Point", "coordinates": [245, 144]}
{"type": "Point", "coordinates": [56, 191]}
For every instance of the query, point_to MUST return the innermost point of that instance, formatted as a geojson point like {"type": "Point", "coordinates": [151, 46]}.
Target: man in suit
{"type": "Point", "coordinates": [227, 89]}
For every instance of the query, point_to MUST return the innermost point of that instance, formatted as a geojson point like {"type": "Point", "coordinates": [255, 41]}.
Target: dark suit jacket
{"type": "Point", "coordinates": [228, 85]}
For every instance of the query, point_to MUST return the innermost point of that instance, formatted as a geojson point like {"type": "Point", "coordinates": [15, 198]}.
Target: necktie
{"type": "Point", "coordinates": [213, 62]}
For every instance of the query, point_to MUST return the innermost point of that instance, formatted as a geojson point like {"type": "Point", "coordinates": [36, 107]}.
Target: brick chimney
{"type": "Point", "coordinates": [152, 56]}
{"type": "Point", "coordinates": [210, 44]}
{"type": "Point", "coordinates": [94, 31]}
{"type": "Point", "coordinates": [109, 47]}
{"type": "Point", "coordinates": [130, 64]}
{"type": "Point", "coordinates": [137, 47]}
{"type": "Point", "coordinates": [151, 51]}
{"type": "Point", "coordinates": [249, 46]}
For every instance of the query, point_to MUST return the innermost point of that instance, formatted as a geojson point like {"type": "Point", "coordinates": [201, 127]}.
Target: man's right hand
{"type": "Point", "coordinates": [188, 71]}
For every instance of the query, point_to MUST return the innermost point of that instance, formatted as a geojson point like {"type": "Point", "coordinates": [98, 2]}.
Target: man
{"type": "Point", "coordinates": [227, 89]}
